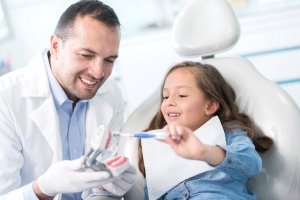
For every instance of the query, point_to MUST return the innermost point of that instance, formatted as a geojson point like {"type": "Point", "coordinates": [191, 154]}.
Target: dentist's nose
{"type": "Point", "coordinates": [97, 69]}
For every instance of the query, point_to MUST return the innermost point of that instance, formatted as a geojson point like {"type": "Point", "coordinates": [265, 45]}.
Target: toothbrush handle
{"type": "Point", "coordinates": [144, 135]}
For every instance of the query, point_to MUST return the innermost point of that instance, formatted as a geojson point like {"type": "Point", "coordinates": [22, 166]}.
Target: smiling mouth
{"type": "Point", "coordinates": [88, 83]}
{"type": "Point", "coordinates": [173, 114]}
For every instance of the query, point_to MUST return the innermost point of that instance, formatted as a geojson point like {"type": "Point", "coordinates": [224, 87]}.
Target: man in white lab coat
{"type": "Point", "coordinates": [50, 109]}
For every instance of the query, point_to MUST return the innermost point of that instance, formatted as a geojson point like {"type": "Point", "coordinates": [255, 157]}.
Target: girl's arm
{"type": "Point", "coordinates": [237, 158]}
{"type": "Point", "coordinates": [241, 157]}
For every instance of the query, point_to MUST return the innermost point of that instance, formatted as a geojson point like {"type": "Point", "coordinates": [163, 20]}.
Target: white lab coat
{"type": "Point", "coordinates": [29, 127]}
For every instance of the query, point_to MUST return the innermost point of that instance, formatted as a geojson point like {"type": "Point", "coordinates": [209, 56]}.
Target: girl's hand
{"type": "Point", "coordinates": [185, 144]}
{"type": "Point", "coordinates": [182, 140]}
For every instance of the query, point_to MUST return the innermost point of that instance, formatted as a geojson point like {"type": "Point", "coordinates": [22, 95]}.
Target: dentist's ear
{"type": "Point", "coordinates": [55, 43]}
{"type": "Point", "coordinates": [212, 107]}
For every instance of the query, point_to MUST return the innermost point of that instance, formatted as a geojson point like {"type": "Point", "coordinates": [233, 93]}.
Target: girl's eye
{"type": "Point", "coordinates": [182, 96]}
{"type": "Point", "coordinates": [165, 97]}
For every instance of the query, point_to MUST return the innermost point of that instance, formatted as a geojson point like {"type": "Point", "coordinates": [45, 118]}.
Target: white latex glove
{"type": "Point", "coordinates": [68, 177]}
{"type": "Point", "coordinates": [122, 183]}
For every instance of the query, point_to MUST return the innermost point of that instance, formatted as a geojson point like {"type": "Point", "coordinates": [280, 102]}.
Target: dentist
{"type": "Point", "coordinates": [50, 109]}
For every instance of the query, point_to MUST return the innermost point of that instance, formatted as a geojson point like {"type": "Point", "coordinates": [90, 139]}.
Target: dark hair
{"type": "Point", "coordinates": [93, 8]}
{"type": "Point", "coordinates": [214, 86]}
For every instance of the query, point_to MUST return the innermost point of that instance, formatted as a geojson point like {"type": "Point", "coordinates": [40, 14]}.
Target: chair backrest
{"type": "Point", "coordinates": [204, 28]}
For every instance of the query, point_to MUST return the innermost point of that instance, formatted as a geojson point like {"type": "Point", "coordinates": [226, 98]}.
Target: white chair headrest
{"type": "Point", "coordinates": [205, 27]}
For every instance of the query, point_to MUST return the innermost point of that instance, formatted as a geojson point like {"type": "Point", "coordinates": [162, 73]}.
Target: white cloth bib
{"type": "Point", "coordinates": [165, 169]}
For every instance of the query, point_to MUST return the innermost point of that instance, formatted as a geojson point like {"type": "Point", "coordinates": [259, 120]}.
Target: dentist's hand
{"type": "Point", "coordinates": [68, 177]}
{"type": "Point", "coordinates": [122, 183]}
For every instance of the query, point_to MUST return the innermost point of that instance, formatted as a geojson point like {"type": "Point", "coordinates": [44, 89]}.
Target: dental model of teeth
{"type": "Point", "coordinates": [117, 165]}
{"type": "Point", "coordinates": [99, 157]}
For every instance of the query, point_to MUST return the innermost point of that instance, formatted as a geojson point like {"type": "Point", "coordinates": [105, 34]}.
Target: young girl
{"type": "Point", "coordinates": [192, 93]}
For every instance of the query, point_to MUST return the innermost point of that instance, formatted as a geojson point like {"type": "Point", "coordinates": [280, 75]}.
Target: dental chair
{"type": "Point", "coordinates": [202, 29]}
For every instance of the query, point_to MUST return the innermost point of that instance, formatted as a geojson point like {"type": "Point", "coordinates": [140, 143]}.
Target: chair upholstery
{"type": "Point", "coordinates": [269, 106]}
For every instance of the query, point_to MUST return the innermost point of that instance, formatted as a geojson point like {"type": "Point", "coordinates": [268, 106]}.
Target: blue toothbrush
{"type": "Point", "coordinates": [142, 135]}
{"type": "Point", "coordinates": [159, 134]}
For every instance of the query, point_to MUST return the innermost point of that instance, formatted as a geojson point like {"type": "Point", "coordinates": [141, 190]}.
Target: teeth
{"type": "Point", "coordinates": [173, 114]}
{"type": "Point", "coordinates": [87, 81]}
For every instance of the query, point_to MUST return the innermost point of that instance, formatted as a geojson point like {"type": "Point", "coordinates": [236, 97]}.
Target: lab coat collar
{"type": "Point", "coordinates": [36, 79]}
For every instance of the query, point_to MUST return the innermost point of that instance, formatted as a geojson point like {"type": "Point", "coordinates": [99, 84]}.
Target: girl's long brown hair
{"type": "Point", "coordinates": [214, 86]}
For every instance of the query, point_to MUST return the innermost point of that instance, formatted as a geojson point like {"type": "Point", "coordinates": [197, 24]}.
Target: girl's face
{"type": "Point", "coordinates": [183, 102]}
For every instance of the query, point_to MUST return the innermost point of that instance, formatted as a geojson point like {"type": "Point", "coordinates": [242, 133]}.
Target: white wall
{"type": "Point", "coordinates": [272, 43]}
{"type": "Point", "coordinates": [31, 23]}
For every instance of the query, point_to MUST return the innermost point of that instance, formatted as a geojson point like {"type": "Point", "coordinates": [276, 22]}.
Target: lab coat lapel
{"type": "Point", "coordinates": [44, 116]}
{"type": "Point", "coordinates": [46, 119]}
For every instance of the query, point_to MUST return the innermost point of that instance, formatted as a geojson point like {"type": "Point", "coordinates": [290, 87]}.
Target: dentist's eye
{"type": "Point", "coordinates": [110, 61]}
{"type": "Point", "coordinates": [86, 56]}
